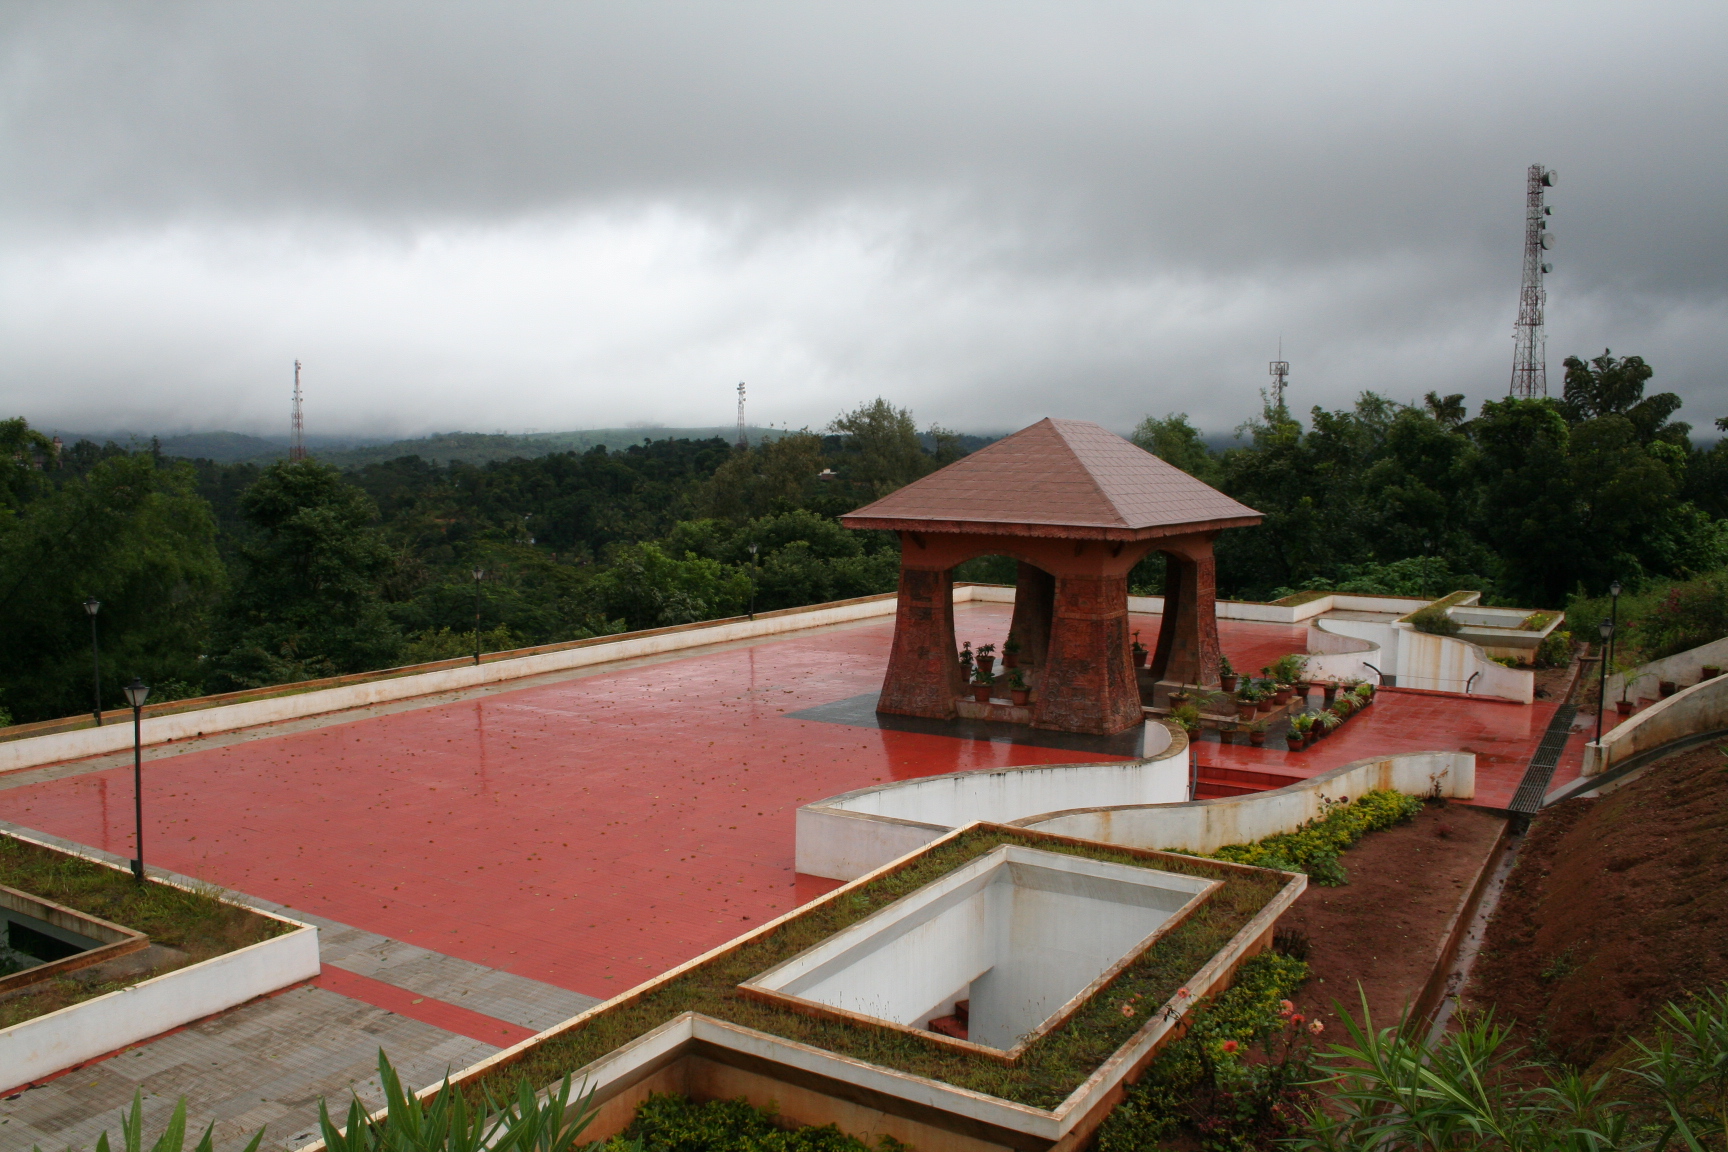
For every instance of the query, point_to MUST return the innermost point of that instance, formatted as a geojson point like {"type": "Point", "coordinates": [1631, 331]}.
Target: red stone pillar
{"type": "Point", "coordinates": [1188, 650]}
{"type": "Point", "coordinates": [1034, 602]}
{"type": "Point", "coordinates": [923, 668]}
{"type": "Point", "coordinates": [1087, 681]}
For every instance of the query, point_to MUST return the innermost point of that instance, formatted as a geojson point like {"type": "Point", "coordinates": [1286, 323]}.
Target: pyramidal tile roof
{"type": "Point", "coordinates": [1052, 475]}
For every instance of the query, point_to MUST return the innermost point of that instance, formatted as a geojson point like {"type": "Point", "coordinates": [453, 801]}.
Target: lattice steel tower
{"type": "Point", "coordinates": [1530, 354]}
{"type": "Point", "coordinates": [297, 428]}
{"type": "Point", "coordinates": [743, 439]}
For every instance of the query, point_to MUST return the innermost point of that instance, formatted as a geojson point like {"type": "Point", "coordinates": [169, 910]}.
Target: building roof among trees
{"type": "Point", "coordinates": [1067, 478]}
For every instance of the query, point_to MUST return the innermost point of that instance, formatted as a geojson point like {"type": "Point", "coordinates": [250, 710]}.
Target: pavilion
{"type": "Point", "coordinates": [1078, 506]}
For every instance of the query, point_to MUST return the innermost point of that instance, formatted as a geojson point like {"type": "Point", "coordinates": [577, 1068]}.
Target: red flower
{"type": "Point", "coordinates": [1230, 1045]}
{"type": "Point", "coordinates": [1297, 1019]}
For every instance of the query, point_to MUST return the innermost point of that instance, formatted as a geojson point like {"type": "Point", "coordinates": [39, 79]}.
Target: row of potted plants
{"type": "Point", "coordinates": [983, 686]}
{"type": "Point", "coordinates": [1308, 728]}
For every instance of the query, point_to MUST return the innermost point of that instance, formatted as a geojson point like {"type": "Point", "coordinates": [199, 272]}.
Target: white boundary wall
{"type": "Point", "coordinates": [46, 1044]}
{"type": "Point", "coordinates": [1700, 708]}
{"type": "Point", "coordinates": [1677, 668]}
{"type": "Point", "coordinates": [1208, 825]}
{"type": "Point", "coordinates": [846, 836]}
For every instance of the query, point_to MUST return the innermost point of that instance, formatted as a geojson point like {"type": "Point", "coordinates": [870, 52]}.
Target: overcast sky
{"type": "Point", "coordinates": [560, 215]}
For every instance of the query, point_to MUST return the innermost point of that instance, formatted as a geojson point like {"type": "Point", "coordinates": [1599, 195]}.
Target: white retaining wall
{"type": "Point", "coordinates": [1333, 656]}
{"type": "Point", "coordinates": [1700, 708]}
{"type": "Point", "coordinates": [846, 836]}
{"type": "Point", "coordinates": [1208, 825]}
{"type": "Point", "coordinates": [1680, 669]}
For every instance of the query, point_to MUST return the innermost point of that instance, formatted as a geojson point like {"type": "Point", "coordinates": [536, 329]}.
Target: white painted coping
{"type": "Point", "coordinates": [44, 1045]}
{"type": "Point", "coordinates": [845, 836]}
{"type": "Point", "coordinates": [1291, 613]}
{"type": "Point", "coordinates": [635, 1061]}
{"type": "Point", "coordinates": [1677, 668]}
{"type": "Point", "coordinates": [1208, 825]}
{"type": "Point", "coordinates": [1438, 663]}
{"type": "Point", "coordinates": [1700, 708]}
{"type": "Point", "coordinates": [1334, 656]}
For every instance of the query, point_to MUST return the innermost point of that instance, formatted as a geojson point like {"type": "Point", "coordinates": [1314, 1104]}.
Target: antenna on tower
{"type": "Point", "coordinates": [1530, 348]}
{"type": "Point", "coordinates": [743, 440]}
{"type": "Point", "coordinates": [297, 437]}
{"type": "Point", "coordinates": [1278, 369]}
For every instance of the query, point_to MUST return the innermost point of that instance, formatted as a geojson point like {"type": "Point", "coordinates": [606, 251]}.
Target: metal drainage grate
{"type": "Point", "coordinates": [1534, 786]}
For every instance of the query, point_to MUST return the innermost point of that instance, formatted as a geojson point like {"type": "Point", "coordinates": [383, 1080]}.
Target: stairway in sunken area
{"type": "Point", "coordinates": [1214, 783]}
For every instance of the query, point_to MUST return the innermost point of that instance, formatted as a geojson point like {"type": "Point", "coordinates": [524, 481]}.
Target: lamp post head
{"type": "Point", "coordinates": [92, 606]}
{"type": "Point", "coordinates": [752, 549]}
{"type": "Point", "coordinates": [137, 692]}
{"type": "Point", "coordinates": [479, 573]}
{"type": "Point", "coordinates": [1606, 628]}
{"type": "Point", "coordinates": [1614, 588]}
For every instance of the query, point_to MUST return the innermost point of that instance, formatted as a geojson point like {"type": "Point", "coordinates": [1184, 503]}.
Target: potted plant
{"type": "Point", "coordinates": [1280, 694]}
{"type": "Point", "coordinates": [966, 661]}
{"type": "Point", "coordinates": [1011, 652]}
{"type": "Point", "coordinates": [1247, 702]}
{"type": "Point", "coordinates": [1188, 716]}
{"type": "Point", "coordinates": [1139, 651]}
{"type": "Point", "coordinates": [1179, 697]}
{"type": "Point", "coordinates": [1667, 687]}
{"type": "Point", "coordinates": [1709, 672]}
{"type": "Point", "coordinates": [1301, 730]}
{"type": "Point", "coordinates": [1289, 669]}
{"type": "Point", "coordinates": [1326, 721]}
{"type": "Point", "coordinates": [1257, 732]}
{"type": "Point", "coordinates": [1330, 689]}
{"type": "Point", "coordinates": [981, 686]}
{"type": "Point", "coordinates": [1017, 687]}
{"type": "Point", "coordinates": [986, 658]}
{"type": "Point", "coordinates": [1227, 678]}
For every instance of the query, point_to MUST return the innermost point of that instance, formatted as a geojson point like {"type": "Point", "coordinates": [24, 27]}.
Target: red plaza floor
{"type": "Point", "coordinates": [593, 832]}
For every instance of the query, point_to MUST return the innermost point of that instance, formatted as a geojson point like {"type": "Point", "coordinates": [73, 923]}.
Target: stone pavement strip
{"type": "Point", "coordinates": [266, 1064]}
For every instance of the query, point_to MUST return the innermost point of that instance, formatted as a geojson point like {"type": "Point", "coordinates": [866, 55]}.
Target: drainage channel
{"type": "Point", "coordinates": [1464, 959]}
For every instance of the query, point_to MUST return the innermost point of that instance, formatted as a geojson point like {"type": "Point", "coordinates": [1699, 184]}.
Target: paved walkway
{"type": "Point", "coordinates": [265, 1064]}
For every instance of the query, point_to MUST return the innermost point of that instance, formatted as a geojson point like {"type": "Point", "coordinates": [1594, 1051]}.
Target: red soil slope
{"type": "Point", "coordinates": [1616, 907]}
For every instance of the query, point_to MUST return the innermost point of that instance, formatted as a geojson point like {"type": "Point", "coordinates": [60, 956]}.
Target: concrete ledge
{"type": "Point", "coordinates": [845, 836]}
{"type": "Point", "coordinates": [47, 1044]}
{"type": "Point", "coordinates": [1208, 825]}
{"type": "Point", "coordinates": [1700, 708]}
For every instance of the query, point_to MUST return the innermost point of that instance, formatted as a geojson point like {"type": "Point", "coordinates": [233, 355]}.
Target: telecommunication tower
{"type": "Point", "coordinates": [1530, 348]}
{"type": "Point", "coordinates": [743, 440]}
{"type": "Point", "coordinates": [1279, 370]}
{"type": "Point", "coordinates": [297, 437]}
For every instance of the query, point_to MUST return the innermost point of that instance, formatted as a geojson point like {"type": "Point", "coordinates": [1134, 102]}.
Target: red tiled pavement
{"type": "Point", "coordinates": [426, 1009]}
{"type": "Point", "coordinates": [596, 831]}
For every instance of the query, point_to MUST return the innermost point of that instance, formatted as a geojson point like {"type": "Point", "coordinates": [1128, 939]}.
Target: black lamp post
{"type": "Point", "coordinates": [91, 607]}
{"type": "Point", "coordinates": [136, 693]}
{"type": "Point", "coordinates": [1607, 630]}
{"type": "Point", "coordinates": [1614, 610]}
{"type": "Point", "coordinates": [752, 581]}
{"type": "Point", "coordinates": [478, 574]}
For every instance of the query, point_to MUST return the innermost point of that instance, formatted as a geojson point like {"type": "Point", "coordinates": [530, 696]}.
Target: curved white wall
{"type": "Point", "coordinates": [845, 836]}
{"type": "Point", "coordinates": [1208, 825]}
{"type": "Point", "coordinates": [1700, 708]}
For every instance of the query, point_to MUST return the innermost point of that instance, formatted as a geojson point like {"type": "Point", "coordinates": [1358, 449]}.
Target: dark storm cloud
{"type": "Point", "coordinates": [957, 205]}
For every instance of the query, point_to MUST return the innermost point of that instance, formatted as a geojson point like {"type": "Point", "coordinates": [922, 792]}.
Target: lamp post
{"type": "Point", "coordinates": [1606, 628]}
{"type": "Point", "coordinates": [478, 574]}
{"type": "Point", "coordinates": [752, 581]}
{"type": "Point", "coordinates": [91, 607]}
{"type": "Point", "coordinates": [136, 693]}
{"type": "Point", "coordinates": [1614, 610]}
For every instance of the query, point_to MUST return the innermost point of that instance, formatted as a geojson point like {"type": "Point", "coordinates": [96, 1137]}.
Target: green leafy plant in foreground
{"type": "Point", "coordinates": [1392, 1089]}
{"type": "Point", "coordinates": [667, 1122]}
{"type": "Point", "coordinates": [1314, 847]}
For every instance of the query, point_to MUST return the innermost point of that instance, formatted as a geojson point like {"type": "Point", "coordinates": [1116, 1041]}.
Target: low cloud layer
{"type": "Point", "coordinates": [506, 217]}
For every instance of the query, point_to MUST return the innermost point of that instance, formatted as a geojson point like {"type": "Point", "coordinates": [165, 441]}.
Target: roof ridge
{"type": "Point", "coordinates": [1085, 469]}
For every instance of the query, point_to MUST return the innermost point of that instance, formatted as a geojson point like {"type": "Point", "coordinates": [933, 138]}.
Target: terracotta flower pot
{"type": "Point", "coordinates": [1010, 659]}
{"type": "Point", "coordinates": [1257, 739]}
{"type": "Point", "coordinates": [1229, 683]}
{"type": "Point", "coordinates": [1709, 672]}
{"type": "Point", "coordinates": [1245, 710]}
{"type": "Point", "coordinates": [986, 663]}
{"type": "Point", "coordinates": [1281, 697]}
{"type": "Point", "coordinates": [1140, 659]}
{"type": "Point", "coordinates": [1667, 687]}
{"type": "Point", "coordinates": [981, 693]}
{"type": "Point", "coordinates": [1331, 693]}
{"type": "Point", "coordinates": [1020, 695]}
{"type": "Point", "coordinates": [1624, 707]}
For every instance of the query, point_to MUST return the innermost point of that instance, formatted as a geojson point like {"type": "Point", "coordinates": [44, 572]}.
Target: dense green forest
{"type": "Point", "coordinates": [214, 577]}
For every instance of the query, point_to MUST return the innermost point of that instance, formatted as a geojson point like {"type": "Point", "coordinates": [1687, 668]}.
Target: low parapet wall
{"type": "Point", "coordinates": [1208, 825]}
{"type": "Point", "coordinates": [1677, 669]}
{"type": "Point", "coordinates": [1698, 709]}
{"type": "Point", "coordinates": [847, 836]}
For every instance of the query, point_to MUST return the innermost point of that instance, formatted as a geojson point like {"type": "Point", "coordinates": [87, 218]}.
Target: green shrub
{"type": "Point", "coordinates": [1434, 621]}
{"type": "Point", "coordinates": [1314, 847]}
{"type": "Point", "coordinates": [1555, 650]}
{"type": "Point", "coordinates": [667, 1122]}
{"type": "Point", "coordinates": [1689, 615]}
{"type": "Point", "coordinates": [1228, 1103]}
